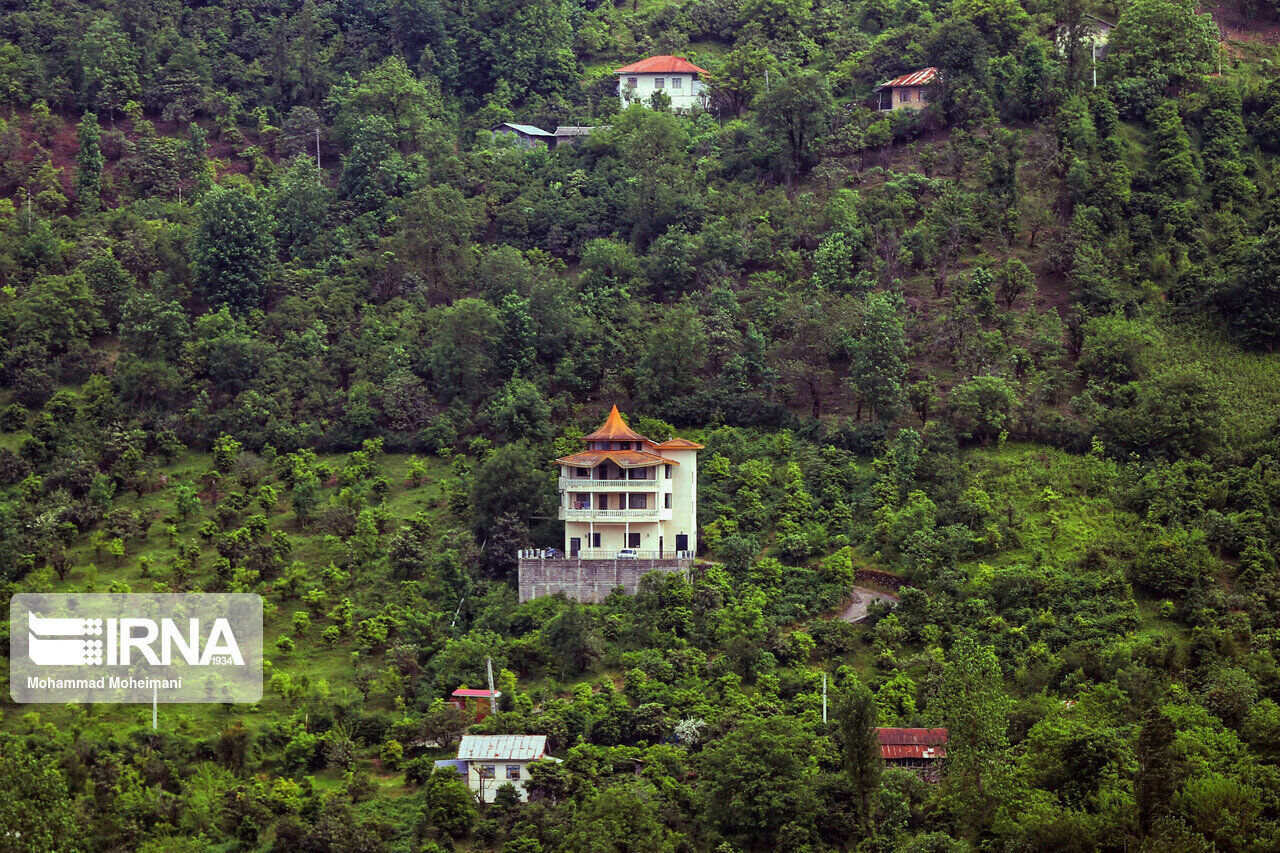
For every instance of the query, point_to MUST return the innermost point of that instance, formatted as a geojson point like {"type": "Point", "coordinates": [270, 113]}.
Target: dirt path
{"type": "Point", "coordinates": [862, 597]}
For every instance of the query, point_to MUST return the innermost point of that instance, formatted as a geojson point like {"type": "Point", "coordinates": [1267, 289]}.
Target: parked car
{"type": "Point", "coordinates": [628, 554]}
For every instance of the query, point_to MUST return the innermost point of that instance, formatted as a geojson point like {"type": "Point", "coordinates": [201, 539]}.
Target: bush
{"type": "Point", "coordinates": [1173, 563]}
{"type": "Point", "coordinates": [13, 418]}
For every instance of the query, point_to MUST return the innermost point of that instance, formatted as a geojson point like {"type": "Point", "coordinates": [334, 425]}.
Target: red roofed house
{"type": "Point", "coordinates": [677, 77]}
{"type": "Point", "coordinates": [908, 92]}
{"type": "Point", "coordinates": [916, 749]}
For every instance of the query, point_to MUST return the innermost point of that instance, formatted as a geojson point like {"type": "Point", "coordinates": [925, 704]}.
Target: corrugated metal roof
{"type": "Point", "coordinates": [912, 743]}
{"type": "Point", "coordinates": [472, 693]}
{"type": "Point", "coordinates": [526, 129]}
{"type": "Point", "coordinates": [573, 130]}
{"type": "Point", "coordinates": [502, 747]}
{"type": "Point", "coordinates": [916, 78]}
{"type": "Point", "coordinates": [661, 65]}
{"type": "Point", "coordinates": [453, 764]}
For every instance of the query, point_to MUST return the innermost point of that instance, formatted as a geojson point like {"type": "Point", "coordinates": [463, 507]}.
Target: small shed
{"type": "Point", "coordinates": [525, 135]}
{"type": "Point", "coordinates": [571, 133]}
{"type": "Point", "coordinates": [484, 702]}
{"type": "Point", "coordinates": [908, 92]}
{"type": "Point", "coordinates": [496, 760]}
{"type": "Point", "coordinates": [921, 750]}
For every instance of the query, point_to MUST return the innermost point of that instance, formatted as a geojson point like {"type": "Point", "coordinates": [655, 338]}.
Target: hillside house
{"type": "Point", "coordinates": [677, 77]}
{"type": "Point", "coordinates": [525, 135]}
{"type": "Point", "coordinates": [629, 506]}
{"type": "Point", "coordinates": [491, 761]}
{"type": "Point", "coordinates": [921, 750]}
{"type": "Point", "coordinates": [908, 92]}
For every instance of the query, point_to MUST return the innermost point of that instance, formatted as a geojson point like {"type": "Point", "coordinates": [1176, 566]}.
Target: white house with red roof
{"type": "Point", "coordinates": [908, 92]}
{"type": "Point", "coordinates": [675, 76]}
{"type": "Point", "coordinates": [625, 492]}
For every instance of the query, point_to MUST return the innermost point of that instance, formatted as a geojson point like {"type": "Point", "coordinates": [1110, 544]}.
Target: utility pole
{"type": "Point", "coordinates": [1093, 52]}
{"type": "Point", "coordinates": [317, 149]}
{"type": "Point", "coordinates": [824, 697]}
{"type": "Point", "coordinates": [493, 698]}
{"type": "Point", "coordinates": [155, 707]}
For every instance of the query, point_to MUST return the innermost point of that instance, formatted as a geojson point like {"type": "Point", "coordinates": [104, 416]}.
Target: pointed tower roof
{"type": "Point", "coordinates": [613, 429]}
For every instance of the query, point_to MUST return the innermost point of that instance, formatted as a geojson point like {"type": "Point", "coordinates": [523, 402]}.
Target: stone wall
{"type": "Point", "coordinates": [588, 580]}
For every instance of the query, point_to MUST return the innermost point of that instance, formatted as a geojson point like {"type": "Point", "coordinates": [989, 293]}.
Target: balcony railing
{"type": "Point", "coordinates": [583, 484]}
{"type": "Point", "coordinates": [600, 554]}
{"type": "Point", "coordinates": [651, 514]}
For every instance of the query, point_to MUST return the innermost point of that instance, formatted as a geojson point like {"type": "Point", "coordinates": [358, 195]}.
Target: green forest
{"type": "Point", "coordinates": [280, 314]}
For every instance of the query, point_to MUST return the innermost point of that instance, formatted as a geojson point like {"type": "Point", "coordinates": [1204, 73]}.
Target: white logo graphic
{"type": "Point", "coordinates": [122, 647]}
{"type": "Point", "coordinates": [48, 646]}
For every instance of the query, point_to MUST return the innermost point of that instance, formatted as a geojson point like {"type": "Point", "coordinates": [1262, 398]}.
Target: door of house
{"type": "Point", "coordinates": [633, 540]}
{"type": "Point", "coordinates": [682, 542]}
{"type": "Point", "coordinates": [575, 545]}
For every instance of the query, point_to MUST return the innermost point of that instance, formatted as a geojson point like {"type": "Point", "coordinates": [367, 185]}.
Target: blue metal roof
{"type": "Point", "coordinates": [527, 129]}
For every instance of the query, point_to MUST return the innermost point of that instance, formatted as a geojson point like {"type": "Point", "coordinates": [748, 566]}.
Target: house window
{"type": "Point", "coordinates": [677, 83]}
{"type": "Point", "coordinates": [632, 82]}
{"type": "Point", "coordinates": [666, 500]}
{"type": "Point", "coordinates": [488, 771]}
{"type": "Point", "coordinates": [513, 771]}
{"type": "Point", "coordinates": [581, 472]}
{"type": "Point", "coordinates": [639, 501]}
{"type": "Point", "coordinates": [659, 82]}
{"type": "Point", "coordinates": [633, 540]}
{"type": "Point", "coordinates": [666, 472]}
{"type": "Point", "coordinates": [595, 540]}
{"type": "Point", "coordinates": [906, 96]}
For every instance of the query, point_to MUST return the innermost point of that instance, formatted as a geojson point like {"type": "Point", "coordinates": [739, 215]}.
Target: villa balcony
{"type": "Point", "coordinates": [608, 515]}
{"type": "Point", "coordinates": [584, 484]}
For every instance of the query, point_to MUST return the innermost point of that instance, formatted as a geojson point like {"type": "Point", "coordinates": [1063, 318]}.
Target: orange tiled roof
{"type": "Point", "coordinates": [923, 77]}
{"type": "Point", "coordinates": [679, 444]}
{"type": "Point", "coordinates": [613, 429]}
{"type": "Point", "coordinates": [621, 458]}
{"type": "Point", "coordinates": [661, 65]}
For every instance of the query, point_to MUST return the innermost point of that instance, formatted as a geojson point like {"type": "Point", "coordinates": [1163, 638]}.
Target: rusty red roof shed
{"type": "Point", "coordinates": [912, 743]}
{"type": "Point", "coordinates": [471, 693]}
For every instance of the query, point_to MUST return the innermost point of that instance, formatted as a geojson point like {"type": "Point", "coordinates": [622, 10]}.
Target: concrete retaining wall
{"type": "Point", "coordinates": [589, 581]}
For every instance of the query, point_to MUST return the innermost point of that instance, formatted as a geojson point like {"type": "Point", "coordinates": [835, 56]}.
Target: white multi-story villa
{"type": "Point", "coordinates": [677, 77]}
{"type": "Point", "coordinates": [626, 493]}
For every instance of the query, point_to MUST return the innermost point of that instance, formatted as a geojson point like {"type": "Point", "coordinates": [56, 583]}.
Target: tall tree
{"type": "Point", "coordinates": [856, 719]}
{"type": "Point", "coordinates": [976, 712]}
{"type": "Point", "coordinates": [88, 164]}
{"type": "Point", "coordinates": [108, 67]}
{"type": "Point", "coordinates": [793, 113]}
{"type": "Point", "coordinates": [879, 353]}
{"type": "Point", "coordinates": [231, 248]}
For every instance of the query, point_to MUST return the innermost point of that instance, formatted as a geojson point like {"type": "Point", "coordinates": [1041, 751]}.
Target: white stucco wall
{"type": "Point", "coordinates": [686, 97]}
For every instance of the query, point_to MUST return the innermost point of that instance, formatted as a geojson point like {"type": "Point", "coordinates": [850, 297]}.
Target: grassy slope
{"type": "Point", "coordinates": [313, 658]}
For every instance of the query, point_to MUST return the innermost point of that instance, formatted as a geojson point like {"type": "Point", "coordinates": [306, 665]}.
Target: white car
{"type": "Point", "coordinates": [628, 554]}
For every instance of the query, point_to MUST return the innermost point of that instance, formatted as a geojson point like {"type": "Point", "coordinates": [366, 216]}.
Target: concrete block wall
{"type": "Point", "coordinates": [588, 581]}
